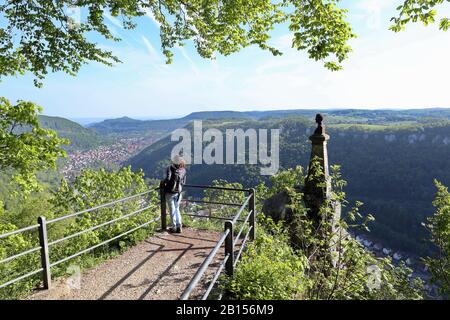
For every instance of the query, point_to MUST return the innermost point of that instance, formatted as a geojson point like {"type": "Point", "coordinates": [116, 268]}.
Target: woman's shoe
{"type": "Point", "coordinates": [178, 229]}
{"type": "Point", "coordinates": [172, 230]}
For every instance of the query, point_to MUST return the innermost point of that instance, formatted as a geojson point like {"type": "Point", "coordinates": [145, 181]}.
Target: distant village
{"type": "Point", "coordinates": [104, 156]}
{"type": "Point", "coordinates": [419, 269]}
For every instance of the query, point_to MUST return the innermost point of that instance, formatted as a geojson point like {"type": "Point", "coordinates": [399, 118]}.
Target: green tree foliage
{"type": "Point", "coordinates": [286, 180]}
{"type": "Point", "coordinates": [439, 226]}
{"type": "Point", "coordinates": [419, 11]}
{"type": "Point", "coordinates": [93, 188]}
{"type": "Point", "coordinates": [224, 196]}
{"type": "Point", "coordinates": [224, 27]}
{"type": "Point", "coordinates": [24, 145]}
{"type": "Point", "coordinates": [270, 269]}
{"type": "Point", "coordinates": [10, 246]}
{"type": "Point", "coordinates": [80, 138]}
{"type": "Point", "coordinates": [213, 210]}
{"type": "Point", "coordinates": [52, 39]}
{"type": "Point", "coordinates": [24, 210]}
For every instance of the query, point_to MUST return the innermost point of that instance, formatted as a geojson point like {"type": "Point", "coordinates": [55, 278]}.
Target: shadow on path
{"type": "Point", "coordinates": [121, 281]}
{"type": "Point", "coordinates": [160, 267]}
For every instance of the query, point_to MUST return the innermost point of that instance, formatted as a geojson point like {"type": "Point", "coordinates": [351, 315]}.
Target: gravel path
{"type": "Point", "coordinates": [157, 268]}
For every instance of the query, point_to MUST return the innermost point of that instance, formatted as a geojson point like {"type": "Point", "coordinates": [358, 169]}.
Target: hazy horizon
{"type": "Point", "coordinates": [90, 120]}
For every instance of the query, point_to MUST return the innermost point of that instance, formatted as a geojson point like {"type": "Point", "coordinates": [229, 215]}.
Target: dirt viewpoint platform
{"type": "Point", "coordinates": [157, 268]}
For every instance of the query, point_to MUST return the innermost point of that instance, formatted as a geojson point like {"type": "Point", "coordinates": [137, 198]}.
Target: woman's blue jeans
{"type": "Point", "coordinates": [174, 199]}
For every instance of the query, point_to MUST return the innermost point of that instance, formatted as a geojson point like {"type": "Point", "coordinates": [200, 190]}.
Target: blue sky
{"type": "Point", "coordinates": [386, 70]}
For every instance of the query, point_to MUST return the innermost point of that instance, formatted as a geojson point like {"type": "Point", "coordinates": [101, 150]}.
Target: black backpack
{"type": "Point", "coordinates": [175, 184]}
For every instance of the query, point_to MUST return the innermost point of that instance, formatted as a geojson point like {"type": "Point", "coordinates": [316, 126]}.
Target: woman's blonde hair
{"type": "Point", "coordinates": [179, 161]}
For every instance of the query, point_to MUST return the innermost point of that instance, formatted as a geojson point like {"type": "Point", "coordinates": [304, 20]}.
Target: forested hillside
{"type": "Point", "coordinates": [389, 167]}
{"type": "Point", "coordinates": [80, 137]}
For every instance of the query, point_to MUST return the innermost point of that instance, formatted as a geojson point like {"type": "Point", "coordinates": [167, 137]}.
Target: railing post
{"type": "Point", "coordinates": [252, 220]}
{"type": "Point", "coordinates": [163, 209]}
{"type": "Point", "coordinates": [229, 248]}
{"type": "Point", "coordinates": [45, 260]}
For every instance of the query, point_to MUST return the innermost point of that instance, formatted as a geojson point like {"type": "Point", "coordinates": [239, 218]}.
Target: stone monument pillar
{"type": "Point", "coordinates": [318, 184]}
{"type": "Point", "coordinates": [317, 191]}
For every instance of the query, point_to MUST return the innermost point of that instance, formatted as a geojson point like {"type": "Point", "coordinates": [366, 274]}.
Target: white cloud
{"type": "Point", "coordinates": [188, 59]}
{"type": "Point", "coordinates": [150, 15]}
{"type": "Point", "coordinates": [283, 42]}
{"type": "Point", "coordinates": [373, 12]}
{"type": "Point", "coordinates": [151, 49]}
{"type": "Point", "coordinates": [406, 70]}
{"type": "Point", "coordinates": [375, 5]}
{"type": "Point", "coordinates": [113, 20]}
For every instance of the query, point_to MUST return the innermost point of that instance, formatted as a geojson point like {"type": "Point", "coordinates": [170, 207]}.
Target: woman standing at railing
{"type": "Point", "coordinates": [172, 185]}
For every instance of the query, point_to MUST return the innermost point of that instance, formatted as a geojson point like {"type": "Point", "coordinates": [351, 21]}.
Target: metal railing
{"type": "Point", "coordinates": [45, 246]}
{"type": "Point", "coordinates": [228, 240]}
